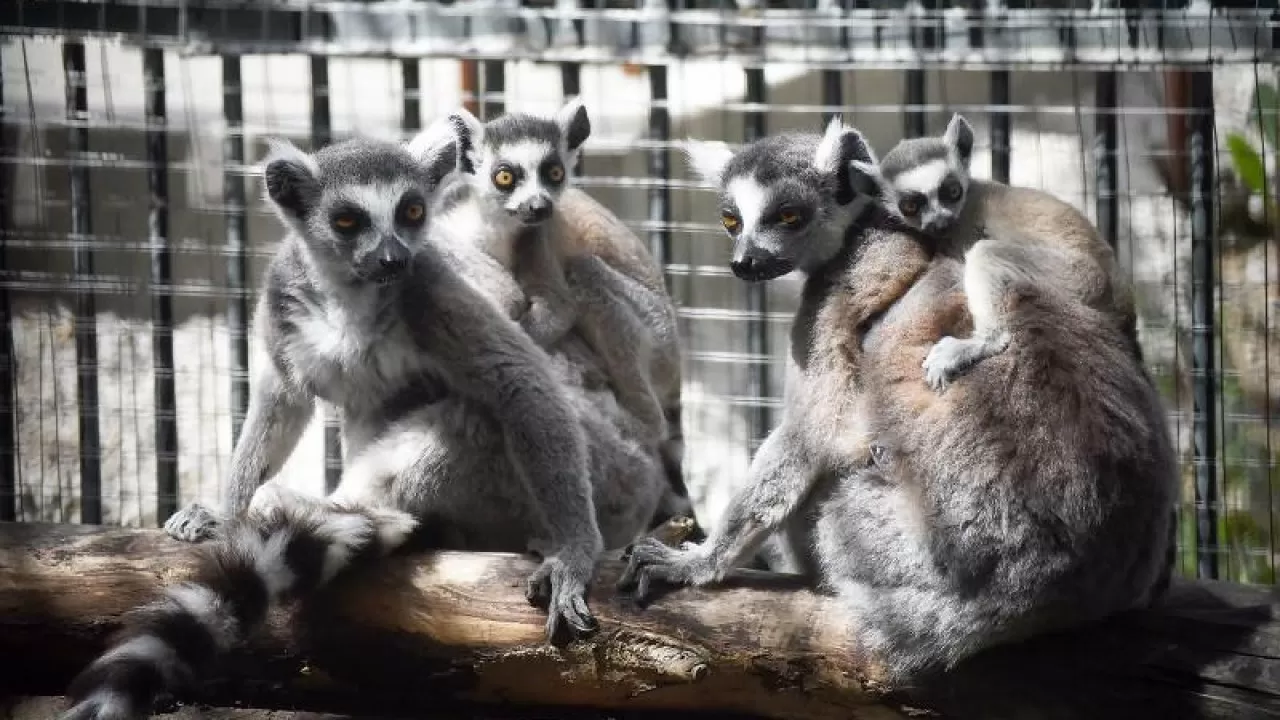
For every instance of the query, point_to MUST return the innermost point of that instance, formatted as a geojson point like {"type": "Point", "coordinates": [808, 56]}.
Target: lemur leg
{"type": "Point", "coordinates": [277, 416]}
{"type": "Point", "coordinates": [552, 309]}
{"type": "Point", "coordinates": [991, 269]}
{"type": "Point", "coordinates": [780, 480]}
{"type": "Point", "coordinates": [612, 326]}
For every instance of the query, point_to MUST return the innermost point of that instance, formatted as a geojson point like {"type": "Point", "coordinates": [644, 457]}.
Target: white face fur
{"type": "Point", "coordinates": [785, 200]}
{"type": "Point", "coordinates": [925, 181]}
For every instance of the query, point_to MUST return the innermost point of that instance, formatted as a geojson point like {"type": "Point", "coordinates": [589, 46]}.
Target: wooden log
{"type": "Point", "coordinates": [423, 631]}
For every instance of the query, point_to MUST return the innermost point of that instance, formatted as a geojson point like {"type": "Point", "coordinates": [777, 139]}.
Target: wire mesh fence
{"type": "Point", "coordinates": [134, 236]}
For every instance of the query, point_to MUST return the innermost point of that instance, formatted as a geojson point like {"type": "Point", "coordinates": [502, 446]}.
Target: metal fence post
{"type": "Point", "coordinates": [321, 135]}
{"type": "Point", "coordinates": [237, 230]}
{"type": "Point", "coordinates": [86, 334]}
{"type": "Point", "coordinates": [757, 293]}
{"type": "Point", "coordinates": [8, 363]}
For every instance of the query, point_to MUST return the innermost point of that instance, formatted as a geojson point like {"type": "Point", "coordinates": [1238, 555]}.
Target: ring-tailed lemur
{"type": "Point", "coordinates": [926, 183]}
{"type": "Point", "coordinates": [452, 415]}
{"type": "Point", "coordinates": [1034, 496]}
{"type": "Point", "coordinates": [577, 266]}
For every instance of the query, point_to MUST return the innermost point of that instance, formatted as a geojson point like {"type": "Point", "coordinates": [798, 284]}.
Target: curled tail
{"type": "Point", "coordinates": [286, 551]}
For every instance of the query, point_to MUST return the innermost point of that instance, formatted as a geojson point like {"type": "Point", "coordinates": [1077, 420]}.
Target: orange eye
{"type": "Point", "coordinates": [909, 206]}
{"type": "Point", "coordinates": [504, 178]}
{"type": "Point", "coordinates": [344, 222]}
{"type": "Point", "coordinates": [414, 212]}
{"type": "Point", "coordinates": [556, 173]}
{"type": "Point", "coordinates": [730, 222]}
{"type": "Point", "coordinates": [788, 218]}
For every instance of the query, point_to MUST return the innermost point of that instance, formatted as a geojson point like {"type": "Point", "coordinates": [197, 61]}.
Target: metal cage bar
{"type": "Point", "coordinates": [166, 425]}
{"type": "Point", "coordinates": [86, 333]}
{"type": "Point", "coordinates": [493, 88]}
{"type": "Point", "coordinates": [659, 168]}
{"type": "Point", "coordinates": [321, 135]}
{"type": "Point", "coordinates": [759, 384]}
{"type": "Point", "coordinates": [1203, 352]}
{"type": "Point", "coordinates": [236, 234]}
{"type": "Point", "coordinates": [1105, 149]}
{"type": "Point", "coordinates": [411, 108]}
{"type": "Point", "coordinates": [8, 363]}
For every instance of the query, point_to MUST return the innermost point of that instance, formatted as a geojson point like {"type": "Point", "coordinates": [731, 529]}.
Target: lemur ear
{"type": "Point", "coordinates": [436, 149]}
{"type": "Point", "coordinates": [575, 125]}
{"type": "Point", "coordinates": [841, 146]}
{"type": "Point", "coordinates": [707, 159]}
{"type": "Point", "coordinates": [959, 135]}
{"type": "Point", "coordinates": [469, 132]}
{"type": "Point", "coordinates": [292, 178]}
{"type": "Point", "coordinates": [866, 178]}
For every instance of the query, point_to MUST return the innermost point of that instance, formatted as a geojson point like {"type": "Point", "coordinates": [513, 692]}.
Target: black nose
{"type": "Point", "coordinates": [393, 256]}
{"type": "Point", "coordinates": [743, 267]}
{"type": "Point", "coordinates": [539, 210]}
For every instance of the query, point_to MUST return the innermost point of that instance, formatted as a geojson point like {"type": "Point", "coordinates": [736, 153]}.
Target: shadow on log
{"type": "Point", "coordinates": [426, 631]}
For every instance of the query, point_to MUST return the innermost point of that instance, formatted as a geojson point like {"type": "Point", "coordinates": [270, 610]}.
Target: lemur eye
{"type": "Point", "coordinates": [909, 206]}
{"type": "Point", "coordinates": [503, 178]}
{"type": "Point", "coordinates": [414, 212]}
{"type": "Point", "coordinates": [786, 217]}
{"type": "Point", "coordinates": [556, 173]}
{"type": "Point", "coordinates": [346, 221]}
{"type": "Point", "coordinates": [951, 190]}
{"type": "Point", "coordinates": [730, 222]}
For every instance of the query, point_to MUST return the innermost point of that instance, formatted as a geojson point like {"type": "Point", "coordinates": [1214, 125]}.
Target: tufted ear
{"type": "Point", "coordinates": [436, 149]}
{"type": "Point", "coordinates": [959, 136]}
{"type": "Point", "coordinates": [840, 147]}
{"type": "Point", "coordinates": [292, 178]}
{"type": "Point", "coordinates": [575, 126]}
{"type": "Point", "coordinates": [707, 159]}
{"type": "Point", "coordinates": [865, 178]}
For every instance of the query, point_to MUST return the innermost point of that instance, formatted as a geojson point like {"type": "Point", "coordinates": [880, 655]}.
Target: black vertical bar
{"type": "Point", "coordinates": [8, 365]}
{"type": "Point", "coordinates": [832, 95]}
{"type": "Point", "coordinates": [757, 293]}
{"type": "Point", "coordinates": [1203, 361]}
{"type": "Point", "coordinates": [411, 110]}
{"type": "Point", "coordinates": [1000, 127]}
{"type": "Point", "coordinates": [237, 230]}
{"type": "Point", "coordinates": [161, 279]}
{"type": "Point", "coordinates": [914, 115]}
{"type": "Point", "coordinates": [321, 135]}
{"type": "Point", "coordinates": [1104, 156]}
{"type": "Point", "coordinates": [659, 168]}
{"type": "Point", "coordinates": [494, 87]}
{"type": "Point", "coordinates": [571, 86]}
{"type": "Point", "coordinates": [85, 330]}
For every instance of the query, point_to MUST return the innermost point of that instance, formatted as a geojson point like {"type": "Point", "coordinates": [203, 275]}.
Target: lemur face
{"type": "Point", "coordinates": [924, 181]}
{"type": "Point", "coordinates": [361, 205]}
{"type": "Point", "coordinates": [786, 200]}
{"type": "Point", "coordinates": [521, 162]}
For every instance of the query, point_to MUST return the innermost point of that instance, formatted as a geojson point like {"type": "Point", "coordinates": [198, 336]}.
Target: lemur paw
{"type": "Point", "coordinates": [948, 358]}
{"type": "Point", "coordinates": [561, 588]}
{"type": "Point", "coordinates": [192, 524]}
{"type": "Point", "coordinates": [649, 560]}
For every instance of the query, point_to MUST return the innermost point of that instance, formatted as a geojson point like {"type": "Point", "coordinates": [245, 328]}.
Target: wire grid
{"type": "Point", "coordinates": [134, 233]}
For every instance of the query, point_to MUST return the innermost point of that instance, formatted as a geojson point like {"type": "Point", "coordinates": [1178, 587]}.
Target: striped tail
{"type": "Point", "coordinates": [284, 552]}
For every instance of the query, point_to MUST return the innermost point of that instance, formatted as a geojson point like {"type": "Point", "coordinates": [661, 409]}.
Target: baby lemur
{"type": "Point", "coordinates": [927, 184]}
{"type": "Point", "coordinates": [1034, 496]}
{"type": "Point", "coordinates": [452, 415]}
{"type": "Point", "coordinates": [576, 265]}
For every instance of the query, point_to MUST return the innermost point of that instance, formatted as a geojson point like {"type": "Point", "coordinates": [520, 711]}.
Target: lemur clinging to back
{"type": "Point", "coordinates": [1025, 233]}
{"type": "Point", "coordinates": [577, 266]}
{"type": "Point", "coordinates": [452, 416]}
{"type": "Point", "coordinates": [1034, 495]}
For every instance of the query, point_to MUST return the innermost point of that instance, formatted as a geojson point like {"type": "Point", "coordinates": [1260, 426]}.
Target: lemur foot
{"type": "Point", "coordinates": [950, 357]}
{"type": "Point", "coordinates": [560, 586]}
{"type": "Point", "coordinates": [193, 523]}
{"type": "Point", "coordinates": [649, 560]}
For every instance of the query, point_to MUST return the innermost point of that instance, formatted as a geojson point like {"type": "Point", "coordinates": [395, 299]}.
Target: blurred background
{"type": "Point", "coordinates": [133, 234]}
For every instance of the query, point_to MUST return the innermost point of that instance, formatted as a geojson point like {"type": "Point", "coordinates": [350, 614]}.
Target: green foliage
{"type": "Point", "coordinates": [1248, 163]}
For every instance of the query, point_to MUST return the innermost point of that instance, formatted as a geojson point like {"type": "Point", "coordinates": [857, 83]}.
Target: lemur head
{"type": "Point", "coordinates": [518, 162]}
{"type": "Point", "coordinates": [924, 181]}
{"type": "Point", "coordinates": [787, 200]}
{"type": "Point", "coordinates": [360, 205]}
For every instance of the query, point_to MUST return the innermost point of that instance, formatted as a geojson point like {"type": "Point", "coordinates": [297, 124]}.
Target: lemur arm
{"type": "Point", "coordinates": [552, 308]}
{"type": "Point", "coordinates": [277, 416]}
{"type": "Point", "coordinates": [780, 478]}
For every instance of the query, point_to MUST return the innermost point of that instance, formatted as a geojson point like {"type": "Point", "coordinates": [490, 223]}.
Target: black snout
{"type": "Point", "coordinates": [536, 210]}
{"type": "Point", "coordinates": [938, 225]}
{"type": "Point", "coordinates": [392, 259]}
{"type": "Point", "coordinates": [754, 269]}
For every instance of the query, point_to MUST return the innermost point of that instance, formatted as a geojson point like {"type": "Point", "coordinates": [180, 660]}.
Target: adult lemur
{"type": "Point", "coordinates": [581, 274]}
{"type": "Point", "coordinates": [452, 414]}
{"type": "Point", "coordinates": [1034, 494]}
{"type": "Point", "coordinates": [926, 183]}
